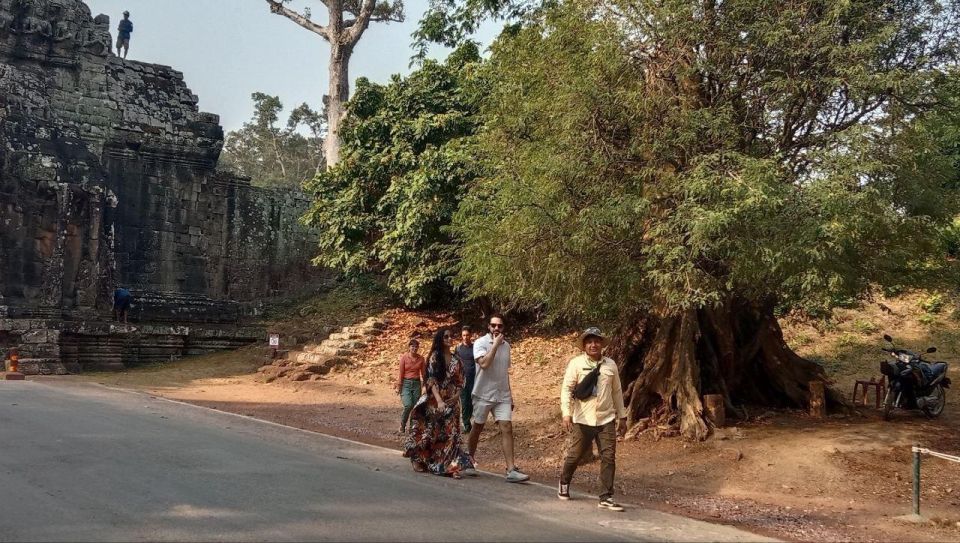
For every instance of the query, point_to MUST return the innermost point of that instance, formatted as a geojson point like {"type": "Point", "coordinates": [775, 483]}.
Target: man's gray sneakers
{"type": "Point", "coordinates": [516, 476]}
{"type": "Point", "coordinates": [610, 505]}
{"type": "Point", "coordinates": [470, 472]}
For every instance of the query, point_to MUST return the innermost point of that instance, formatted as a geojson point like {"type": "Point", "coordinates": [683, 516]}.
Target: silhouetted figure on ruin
{"type": "Point", "coordinates": [121, 304]}
{"type": "Point", "coordinates": [123, 34]}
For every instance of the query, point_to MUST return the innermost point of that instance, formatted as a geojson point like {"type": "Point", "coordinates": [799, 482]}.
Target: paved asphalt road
{"type": "Point", "coordinates": [82, 462]}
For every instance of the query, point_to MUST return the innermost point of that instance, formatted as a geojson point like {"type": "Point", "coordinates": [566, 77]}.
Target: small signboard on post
{"type": "Point", "coordinates": [274, 340]}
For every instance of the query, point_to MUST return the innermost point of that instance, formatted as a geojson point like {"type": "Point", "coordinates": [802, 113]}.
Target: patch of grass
{"type": "Point", "coordinates": [832, 365]}
{"type": "Point", "coordinates": [846, 340]}
{"type": "Point", "coordinates": [180, 372]}
{"type": "Point", "coordinates": [846, 302]}
{"type": "Point", "coordinates": [891, 291]}
{"type": "Point", "coordinates": [932, 303]}
{"type": "Point", "coordinates": [864, 326]}
{"type": "Point", "coordinates": [927, 319]}
{"type": "Point", "coordinates": [342, 303]}
{"type": "Point", "coordinates": [359, 293]}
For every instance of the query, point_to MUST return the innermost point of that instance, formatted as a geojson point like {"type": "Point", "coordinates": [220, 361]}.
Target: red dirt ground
{"type": "Point", "coordinates": [778, 473]}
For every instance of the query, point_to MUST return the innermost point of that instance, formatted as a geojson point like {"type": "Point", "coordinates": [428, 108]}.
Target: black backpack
{"type": "Point", "coordinates": [584, 388]}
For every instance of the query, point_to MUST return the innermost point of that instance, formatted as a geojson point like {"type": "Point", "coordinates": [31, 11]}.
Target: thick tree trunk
{"type": "Point", "coordinates": [339, 93]}
{"type": "Point", "coordinates": [342, 35]}
{"type": "Point", "coordinates": [737, 351]}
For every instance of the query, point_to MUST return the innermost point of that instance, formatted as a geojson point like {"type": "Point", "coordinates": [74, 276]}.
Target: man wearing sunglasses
{"type": "Point", "coordinates": [491, 394]}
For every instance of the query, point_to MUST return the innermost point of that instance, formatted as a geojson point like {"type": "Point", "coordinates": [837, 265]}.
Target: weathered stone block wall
{"type": "Point", "coordinates": [107, 178]}
{"type": "Point", "coordinates": [61, 347]}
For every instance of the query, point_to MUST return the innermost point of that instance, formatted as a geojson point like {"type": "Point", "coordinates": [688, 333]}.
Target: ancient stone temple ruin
{"type": "Point", "coordinates": [108, 178]}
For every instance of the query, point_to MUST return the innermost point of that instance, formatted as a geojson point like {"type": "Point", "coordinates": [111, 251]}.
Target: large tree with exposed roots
{"type": "Point", "coordinates": [685, 170]}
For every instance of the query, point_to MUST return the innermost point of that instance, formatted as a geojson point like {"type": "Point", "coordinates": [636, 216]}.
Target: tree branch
{"type": "Point", "coordinates": [360, 23]}
{"type": "Point", "coordinates": [389, 18]}
{"type": "Point", "coordinates": [276, 6]}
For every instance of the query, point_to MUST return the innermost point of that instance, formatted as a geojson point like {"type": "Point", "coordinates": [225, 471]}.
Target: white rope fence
{"type": "Point", "coordinates": [917, 451]}
{"type": "Point", "coordinates": [945, 456]}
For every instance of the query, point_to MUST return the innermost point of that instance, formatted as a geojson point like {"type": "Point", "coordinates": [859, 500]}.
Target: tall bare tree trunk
{"type": "Point", "coordinates": [342, 34]}
{"type": "Point", "coordinates": [339, 94]}
{"type": "Point", "coordinates": [276, 152]}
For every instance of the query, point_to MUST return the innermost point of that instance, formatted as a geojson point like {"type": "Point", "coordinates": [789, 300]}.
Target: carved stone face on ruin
{"type": "Point", "coordinates": [64, 31]}
{"type": "Point", "coordinates": [99, 41]}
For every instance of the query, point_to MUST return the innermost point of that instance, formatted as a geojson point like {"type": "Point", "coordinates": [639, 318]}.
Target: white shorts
{"type": "Point", "coordinates": [482, 408]}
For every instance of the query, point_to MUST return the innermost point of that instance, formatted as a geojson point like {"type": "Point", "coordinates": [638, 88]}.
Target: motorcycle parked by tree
{"type": "Point", "coordinates": [913, 383]}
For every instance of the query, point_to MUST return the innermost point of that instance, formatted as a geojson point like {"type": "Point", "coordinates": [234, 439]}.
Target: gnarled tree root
{"type": "Point", "coordinates": [737, 351]}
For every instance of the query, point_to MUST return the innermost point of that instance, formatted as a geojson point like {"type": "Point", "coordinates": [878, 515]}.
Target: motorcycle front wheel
{"type": "Point", "coordinates": [936, 408]}
{"type": "Point", "coordinates": [888, 404]}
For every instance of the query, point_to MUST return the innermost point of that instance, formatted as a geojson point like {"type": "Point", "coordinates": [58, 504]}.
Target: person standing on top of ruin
{"type": "Point", "coordinates": [121, 304]}
{"type": "Point", "coordinates": [410, 381]}
{"type": "Point", "coordinates": [124, 29]}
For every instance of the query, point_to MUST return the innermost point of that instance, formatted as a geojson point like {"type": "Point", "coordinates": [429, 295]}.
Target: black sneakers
{"type": "Point", "coordinates": [563, 491]}
{"type": "Point", "coordinates": [610, 505]}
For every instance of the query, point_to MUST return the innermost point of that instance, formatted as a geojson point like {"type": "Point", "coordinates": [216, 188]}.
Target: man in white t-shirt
{"type": "Point", "coordinates": [491, 394]}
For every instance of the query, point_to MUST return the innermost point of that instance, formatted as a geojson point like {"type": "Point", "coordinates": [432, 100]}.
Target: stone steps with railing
{"type": "Point", "coordinates": [313, 360]}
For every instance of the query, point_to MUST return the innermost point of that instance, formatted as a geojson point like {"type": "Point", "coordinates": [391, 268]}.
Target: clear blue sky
{"type": "Point", "coordinates": [228, 49]}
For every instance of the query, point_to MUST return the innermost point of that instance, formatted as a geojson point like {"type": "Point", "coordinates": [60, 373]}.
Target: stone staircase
{"type": "Point", "coordinates": [314, 360]}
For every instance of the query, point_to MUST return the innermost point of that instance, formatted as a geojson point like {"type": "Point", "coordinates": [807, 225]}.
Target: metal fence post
{"type": "Point", "coordinates": [916, 480]}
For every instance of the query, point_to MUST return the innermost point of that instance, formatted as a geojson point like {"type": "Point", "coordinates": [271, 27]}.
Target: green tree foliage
{"type": "Point", "coordinates": [406, 162]}
{"type": "Point", "coordinates": [670, 154]}
{"type": "Point", "coordinates": [272, 155]}
{"type": "Point", "coordinates": [950, 237]}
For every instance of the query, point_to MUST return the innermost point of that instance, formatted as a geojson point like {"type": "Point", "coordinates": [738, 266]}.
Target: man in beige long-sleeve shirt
{"type": "Point", "coordinates": [594, 418]}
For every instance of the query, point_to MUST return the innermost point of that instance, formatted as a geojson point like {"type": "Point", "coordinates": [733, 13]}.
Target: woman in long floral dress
{"type": "Point", "coordinates": [434, 442]}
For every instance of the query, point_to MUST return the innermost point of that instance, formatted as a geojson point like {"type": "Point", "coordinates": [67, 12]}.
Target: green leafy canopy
{"type": "Point", "coordinates": [272, 155]}
{"type": "Point", "coordinates": [406, 163]}
{"type": "Point", "coordinates": [674, 154]}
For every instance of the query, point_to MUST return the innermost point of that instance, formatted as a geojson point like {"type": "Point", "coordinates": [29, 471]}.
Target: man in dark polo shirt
{"type": "Point", "coordinates": [465, 352]}
{"type": "Point", "coordinates": [122, 300]}
{"type": "Point", "coordinates": [123, 34]}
